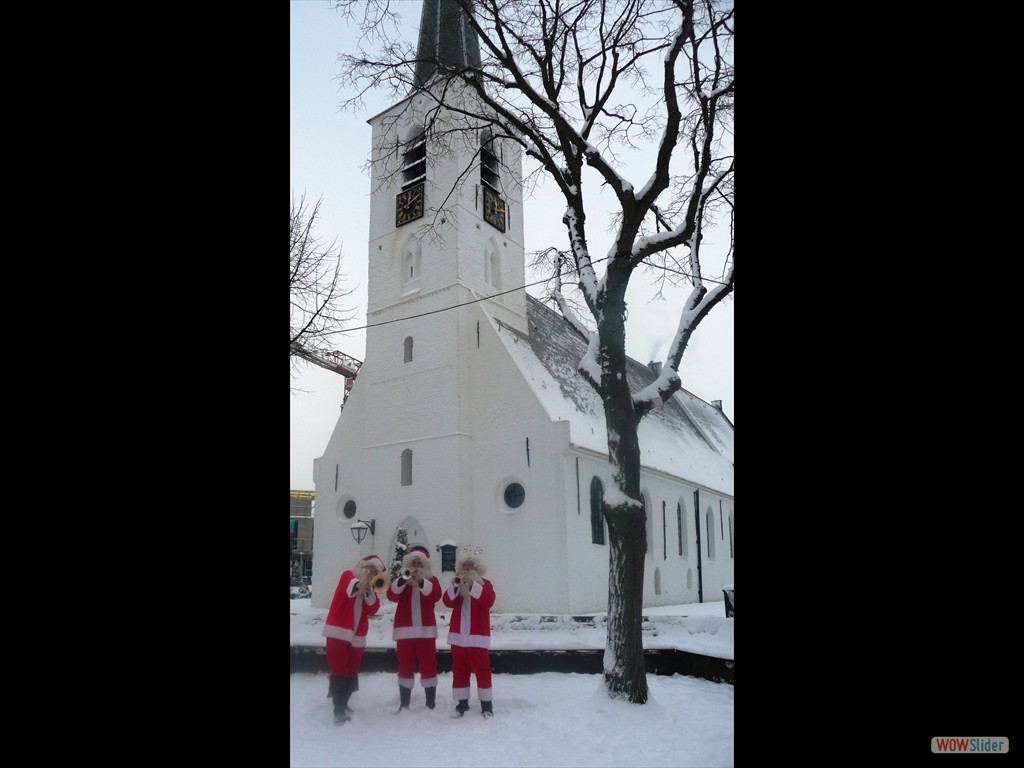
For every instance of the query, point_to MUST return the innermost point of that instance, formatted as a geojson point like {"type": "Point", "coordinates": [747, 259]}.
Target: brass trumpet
{"type": "Point", "coordinates": [380, 583]}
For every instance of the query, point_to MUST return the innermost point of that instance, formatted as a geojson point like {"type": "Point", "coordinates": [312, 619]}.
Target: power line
{"type": "Point", "coordinates": [445, 309]}
{"type": "Point", "coordinates": [502, 293]}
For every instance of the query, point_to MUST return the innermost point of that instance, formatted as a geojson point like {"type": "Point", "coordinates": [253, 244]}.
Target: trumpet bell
{"type": "Point", "coordinates": [380, 583]}
{"type": "Point", "coordinates": [407, 573]}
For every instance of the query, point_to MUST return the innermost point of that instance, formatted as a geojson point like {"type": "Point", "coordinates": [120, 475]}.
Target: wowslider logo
{"type": "Point", "coordinates": [978, 745]}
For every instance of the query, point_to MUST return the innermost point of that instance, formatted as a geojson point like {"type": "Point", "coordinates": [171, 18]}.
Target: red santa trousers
{"type": "Point", "coordinates": [466, 661]}
{"type": "Point", "coordinates": [343, 659]}
{"type": "Point", "coordinates": [422, 649]}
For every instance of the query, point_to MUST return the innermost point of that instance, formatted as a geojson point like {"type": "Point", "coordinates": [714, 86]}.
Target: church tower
{"type": "Point", "coordinates": [446, 262]}
{"type": "Point", "coordinates": [446, 224]}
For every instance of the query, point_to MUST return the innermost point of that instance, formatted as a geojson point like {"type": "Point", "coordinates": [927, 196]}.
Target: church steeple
{"type": "Point", "coordinates": [446, 38]}
{"type": "Point", "coordinates": [446, 212]}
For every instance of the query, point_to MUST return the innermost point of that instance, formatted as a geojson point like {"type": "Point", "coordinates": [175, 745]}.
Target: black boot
{"type": "Point", "coordinates": [486, 709]}
{"type": "Point", "coordinates": [404, 695]}
{"type": "Point", "coordinates": [431, 693]}
{"type": "Point", "coordinates": [340, 689]}
{"type": "Point", "coordinates": [353, 686]}
{"type": "Point", "coordinates": [337, 687]}
{"type": "Point", "coordinates": [461, 708]}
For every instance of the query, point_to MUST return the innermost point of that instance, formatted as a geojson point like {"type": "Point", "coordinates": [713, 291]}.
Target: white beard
{"type": "Point", "coordinates": [424, 569]}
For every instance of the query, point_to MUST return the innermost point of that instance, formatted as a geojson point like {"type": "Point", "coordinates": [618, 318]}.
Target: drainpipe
{"type": "Point", "coordinates": [696, 519]}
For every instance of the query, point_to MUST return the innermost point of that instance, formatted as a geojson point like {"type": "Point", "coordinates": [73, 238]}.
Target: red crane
{"type": "Point", "coordinates": [339, 362]}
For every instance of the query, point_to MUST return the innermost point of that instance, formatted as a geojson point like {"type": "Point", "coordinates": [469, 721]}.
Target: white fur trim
{"type": "Point", "coordinates": [413, 633]}
{"type": "Point", "coordinates": [467, 640]}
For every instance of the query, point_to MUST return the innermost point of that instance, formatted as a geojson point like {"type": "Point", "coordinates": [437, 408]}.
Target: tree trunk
{"type": "Point", "coordinates": [624, 671]}
{"type": "Point", "coordinates": [625, 675]}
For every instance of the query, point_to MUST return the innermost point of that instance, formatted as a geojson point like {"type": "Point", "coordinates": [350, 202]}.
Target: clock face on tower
{"type": "Point", "coordinates": [409, 205]}
{"type": "Point", "coordinates": [494, 209]}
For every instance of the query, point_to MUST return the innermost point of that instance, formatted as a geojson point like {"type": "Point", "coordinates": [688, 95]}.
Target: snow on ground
{"type": "Point", "coordinates": [547, 719]}
{"type": "Point", "coordinates": [699, 628]}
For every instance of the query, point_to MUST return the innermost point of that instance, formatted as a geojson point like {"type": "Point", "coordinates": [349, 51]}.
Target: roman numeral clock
{"type": "Point", "coordinates": [494, 209]}
{"type": "Point", "coordinates": [409, 205]}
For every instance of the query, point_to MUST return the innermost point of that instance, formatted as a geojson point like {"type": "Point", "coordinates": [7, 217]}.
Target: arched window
{"type": "Point", "coordinates": [596, 513]}
{"type": "Point", "coordinates": [407, 467]}
{"type": "Point", "coordinates": [649, 525]}
{"type": "Point", "coordinates": [411, 266]}
{"type": "Point", "coordinates": [664, 532]}
{"type": "Point", "coordinates": [681, 527]}
{"type": "Point", "coordinates": [492, 265]}
{"type": "Point", "coordinates": [730, 533]}
{"type": "Point", "coordinates": [710, 536]}
{"type": "Point", "coordinates": [408, 349]}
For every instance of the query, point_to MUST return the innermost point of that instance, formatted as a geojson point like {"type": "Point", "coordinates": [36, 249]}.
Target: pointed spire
{"type": "Point", "coordinates": [446, 38]}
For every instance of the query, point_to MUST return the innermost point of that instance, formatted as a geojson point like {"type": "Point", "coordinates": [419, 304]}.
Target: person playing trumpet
{"type": "Point", "coordinates": [470, 596]}
{"type": "Point", "coordinates": [416, 591]}
{"type": "Point", "coordinates": [355, 600]}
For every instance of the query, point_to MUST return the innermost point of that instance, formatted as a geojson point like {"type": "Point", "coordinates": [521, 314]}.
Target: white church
{"type": "Point", "coordinates": [468, 423]}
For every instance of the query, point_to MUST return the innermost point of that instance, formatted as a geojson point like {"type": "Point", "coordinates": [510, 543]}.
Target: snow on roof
{"type": "Point", "coordinates": [687, 437]}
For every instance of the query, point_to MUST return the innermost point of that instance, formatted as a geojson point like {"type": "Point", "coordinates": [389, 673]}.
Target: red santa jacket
{"type": "Point", "coordinates": [414, 614]}
{"type": "Point", "coordinates": [470, 624]}
{"type": "Point", "coordinates": [349, 611]}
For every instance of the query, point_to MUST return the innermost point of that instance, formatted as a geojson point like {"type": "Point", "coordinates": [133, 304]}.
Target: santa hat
{"type": "Point", "coordinates": [474, 553]}
{"type": "Point", "coordinates": [414, 552]}
{"type": "Point", "coordinates": [373, 560]}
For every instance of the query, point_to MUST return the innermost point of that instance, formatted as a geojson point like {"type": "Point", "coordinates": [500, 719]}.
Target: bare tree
{"type": "Point", "coordinates": [316, 312]}
{"type": "Point", "coordinates": [581, 85]}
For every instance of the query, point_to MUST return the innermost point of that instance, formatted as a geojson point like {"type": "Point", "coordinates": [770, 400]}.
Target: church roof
{"type": "Point", "coordinates": [686, 437]}
{"type": "Point", "coordinates": [446, 38]}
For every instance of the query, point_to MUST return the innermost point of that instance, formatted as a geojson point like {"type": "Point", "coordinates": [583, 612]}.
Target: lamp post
{"type": "Point", "coordinates": [359, 529]}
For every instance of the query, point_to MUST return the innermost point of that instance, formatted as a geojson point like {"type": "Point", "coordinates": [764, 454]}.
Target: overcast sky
{"type": "Point", "coordinates": [328, 150]}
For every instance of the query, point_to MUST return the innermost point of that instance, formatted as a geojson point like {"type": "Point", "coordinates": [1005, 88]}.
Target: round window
{"type": "Point", "coordinates": [350, 509]}
{"type": "Point", "coordinates": [515, 495]}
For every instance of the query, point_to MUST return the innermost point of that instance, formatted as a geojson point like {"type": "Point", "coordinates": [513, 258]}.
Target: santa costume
{"type": "Point", "coordinates": [415, 626]}
{"type": "Point", "coordinates": [345, 630]}
{"type": "Point", "coordinates": [469, 630]}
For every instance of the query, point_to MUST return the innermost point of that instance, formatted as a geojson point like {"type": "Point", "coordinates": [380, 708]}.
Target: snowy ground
{"type": "Point", "coordinates": [699, 628]}
{"type": "Point", "coordinates": [545, 720]}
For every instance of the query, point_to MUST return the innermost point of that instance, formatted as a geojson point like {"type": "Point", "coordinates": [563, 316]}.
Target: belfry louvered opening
{"type": "Point", "coordinates": [414, 169]}
{"type": "Point", "coordinates": [489, 168]}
